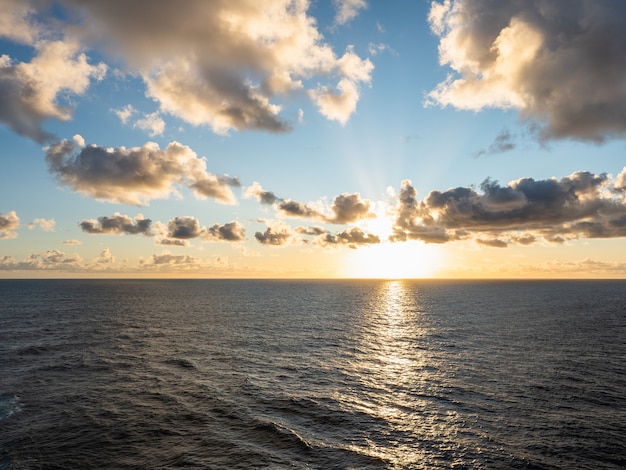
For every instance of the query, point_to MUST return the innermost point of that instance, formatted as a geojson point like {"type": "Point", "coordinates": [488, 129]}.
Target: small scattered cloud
{"type": "Point", "coordinates": [352, 238]}
{"type": "Point", "coordinates": [9, 223]}
{"type": "Point", "coordinates": [152, 123]}
{"type": "Point", "coordinates": [71, 242]}
{"type": "Point", "coordinates": [493, 242]}
{"type": "Point", "coordinates": [276, 235]}
{"type": "Point", "coordinates": [43, 224]}
{"type": "Point", "coordinates": [502, 143]}
{"type": "Point", "coordinates": [231, 232]}
{"type": "Point", "coordinates": [379, 48]}
{"type": "Point", "coordinates": [124, 113]}
{"type": "Point", "coordinates": [346, 208]}
{"type": "Point", "coordinates": [181, 229]}
{"type": "Point", "coordinates": [168, 262]}
{"type": "Point", "coordinates": [117, 224]}
{"type": "Point", "coordinates": [105, 257]}
{"type": "Point", "coordinates": [348, 10]}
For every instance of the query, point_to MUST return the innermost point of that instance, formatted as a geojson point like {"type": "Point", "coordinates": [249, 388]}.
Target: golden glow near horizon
{"type": "Point", "coordinates": [407, 260]}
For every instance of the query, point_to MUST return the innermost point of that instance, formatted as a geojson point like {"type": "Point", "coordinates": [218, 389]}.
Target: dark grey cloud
{"type": "Point", "coordinates": [315, 230]}
{"type": "Point", "coordinates": [184, 228]}
{"type": "Point", "coordinates": [167, 259]}
{"type": "Point", "coordinates": [181, 229]}
{"type": "Point", "coordinates": [135, 175]}
{"type": "Point", "coordinates": [561, 63]}
{"type": "Point", "coordinates": [580, 205]}
{"type": "Point", "coordinates": [351, 238]}
{"type": "Point", "coordinates": [493, 243]}
{"type": "Point", "coordinates": [349, 208]}
{"type": "Point", "coordinates": [346, 208]}
{"type": "Point", "coordinates": [117, 224]}
{"type": "Point", "coordinates": [297, 209]}
{"type": "Point", "coordinates": [502, 143]}
{"type": "Point", "coordinates": [277, 235]}
{"type": "Point", "coordinates": [172, 242]}
{"type": "Point", "coordinates": [232, 232]}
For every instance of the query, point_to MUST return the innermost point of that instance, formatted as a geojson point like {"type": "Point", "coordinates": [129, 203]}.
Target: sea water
{"type": "Point", "coordinates": [164, 374]}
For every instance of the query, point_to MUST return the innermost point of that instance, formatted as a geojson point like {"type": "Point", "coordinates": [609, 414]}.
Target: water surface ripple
{"type": "Point", "coordinates": [155, 374]}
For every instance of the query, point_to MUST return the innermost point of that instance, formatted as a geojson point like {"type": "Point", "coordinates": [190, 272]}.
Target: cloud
{"type": "Point", "coordinates": [561, 63]}
{"type": "Point", "coordinates": [45, 225]}
{"type": "Point", "coordinates": [502, 143]}
{"type": "Point", "coordinates": [184, 228]}
{"type": "Point", "coordinates": [338, 104]}
{"type": "Point", "coordinates": [124, 113]}
{"type": "Point", "coordinates": [117, 224]}
{"type": "Point", "coordinates": [264, 197]}
{"type": "Point", "coordinates": [227, 65]}
{"type": "Point", "coordinates": [170, 260]}
{"type": "Point", "coordinates": [620, 182]}
{"type": "Point", "coordinates": [152, 123]}
{"type": "Point", "coordinates": [30, 90]}
{"type": "Point", "coordinates": [135, 175]}
{"type": "Point", "coordinates": [352, 238]}
{"type": "Point", "coordinates": [172, 242]}
{"type": "Point", "coordinates": [49, 260]}
{"type": "Point", "coordinates": [105, 257]}
{"type": "Point", "coordinates": [232, 232]}
{"type": "Point", "coordinates": [493, 243]}
{"type": "Point", "coordinates": [70, 242]}
{"type": "Point", "coordinates": [181, 229]}
{"type": "Point", "coordinates": [8, 224]}
{"type": "Point", "coordinates": [348, 9]}
{"type": "Point", "coordinates": [281, 234]}
{"type": "Point", "coordinates": [582, 205]}
{"type": "Point", "coordinates": [16, 23]}
{"type": "Point", "coordinates": [346, 208]}
{"type": "Point", "coordinates": [277, 235]}
{"type": "Point", "coordinates": [379, 48]}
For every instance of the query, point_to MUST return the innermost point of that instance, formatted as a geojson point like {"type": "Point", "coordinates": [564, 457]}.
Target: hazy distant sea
{"type": "Point", "coordinates": [155, 374]}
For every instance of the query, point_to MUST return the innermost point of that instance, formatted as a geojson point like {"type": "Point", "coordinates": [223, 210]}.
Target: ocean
{"type": "Point", "coordinates": [252, 374]}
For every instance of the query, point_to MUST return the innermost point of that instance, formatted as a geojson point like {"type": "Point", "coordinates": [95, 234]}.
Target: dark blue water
{"type": "Point", "coordinates": [312, 374]}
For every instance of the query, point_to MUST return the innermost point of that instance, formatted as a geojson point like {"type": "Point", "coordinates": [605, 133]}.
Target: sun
{"type": "Point", "coordinates": [400, 260]}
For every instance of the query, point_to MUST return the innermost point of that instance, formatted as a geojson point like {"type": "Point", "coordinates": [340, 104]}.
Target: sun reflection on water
{"type": "Point", "coordinates": [390, 364]}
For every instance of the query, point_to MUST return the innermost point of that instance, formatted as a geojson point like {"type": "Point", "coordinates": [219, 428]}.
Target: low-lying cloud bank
{"type": "Point", "coordinates": [582, 205]}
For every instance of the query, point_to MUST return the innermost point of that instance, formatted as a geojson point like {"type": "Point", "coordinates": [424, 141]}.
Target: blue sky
{"type": "Point", "coordinates": [313, 139]}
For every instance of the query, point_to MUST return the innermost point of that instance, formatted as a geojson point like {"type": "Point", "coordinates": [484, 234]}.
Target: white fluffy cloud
{"type": "Point", "coordinates": [227, 64]}
{"type": "Point", "coordinates": [30, 90]}
{"type": "Point", "coordinates": [561, 63]}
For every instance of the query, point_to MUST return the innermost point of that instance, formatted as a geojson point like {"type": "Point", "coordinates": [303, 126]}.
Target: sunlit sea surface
{"type": "Point", "coordinates": [154, 374]}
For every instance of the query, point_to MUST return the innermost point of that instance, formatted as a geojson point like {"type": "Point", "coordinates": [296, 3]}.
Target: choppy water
{"type": "Point", "coordinates": [312, 374]}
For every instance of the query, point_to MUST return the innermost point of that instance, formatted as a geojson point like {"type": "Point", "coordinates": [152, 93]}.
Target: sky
{"type": "Point", "coordinates": [313, 139]}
